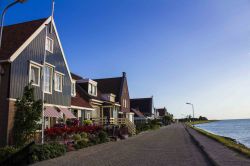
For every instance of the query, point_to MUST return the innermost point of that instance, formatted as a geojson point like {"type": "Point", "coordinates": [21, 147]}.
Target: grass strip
{"type": "Point", "coordinates": [226, 141]}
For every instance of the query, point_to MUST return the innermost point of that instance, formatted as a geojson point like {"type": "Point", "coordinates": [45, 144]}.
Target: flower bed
{"type": "Point", "coordinates": [64, 132]}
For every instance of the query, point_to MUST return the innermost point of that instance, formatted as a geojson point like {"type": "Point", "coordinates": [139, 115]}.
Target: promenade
{"type": "Point", "coordinates": [170, 145]}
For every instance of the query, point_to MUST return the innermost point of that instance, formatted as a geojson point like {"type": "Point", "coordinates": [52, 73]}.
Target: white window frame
{"type": "Point", "coordinates": [51, 78]}
{"type": "Point", "coordinates": [47, 46]}
{"type": "Point", "coordinates": [73, 84]}
{"type": "Point", "coordinates": [55, 85]}
{"type": "Point", "coordinates": [88, 115]}
{"type": "Point", "coordinates": [39, 74]}
{"type": "Point", "coordinates": [92, 89]}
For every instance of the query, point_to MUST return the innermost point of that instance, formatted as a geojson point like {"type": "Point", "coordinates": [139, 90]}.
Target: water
{"type": "Point", "coordinates": [236, 129]}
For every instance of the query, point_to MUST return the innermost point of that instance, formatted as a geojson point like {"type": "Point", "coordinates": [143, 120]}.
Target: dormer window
{"type": "Point", "coordinates": [92, 89]}
{"type": "Point", "coordinates": [49, 44]}
{"type": "Point", "coordinates": [73, 88]}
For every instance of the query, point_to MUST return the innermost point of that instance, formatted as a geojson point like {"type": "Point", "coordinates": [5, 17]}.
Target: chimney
{"type": "Point", "coordinates": [123, 74]}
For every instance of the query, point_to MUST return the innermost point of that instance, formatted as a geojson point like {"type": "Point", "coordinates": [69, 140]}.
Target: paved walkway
{"type": "Point", "coordinates": [170, 145]}
{"type": "Point", "coordinates": [220, 154]}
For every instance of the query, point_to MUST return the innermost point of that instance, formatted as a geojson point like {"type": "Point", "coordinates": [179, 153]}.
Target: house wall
{"type": "Point", "coordinates": [4, 104]}
{"type": "Point", "coordinates": [125, 95]}
{"type": "Point", "coordinates": [35, 52]}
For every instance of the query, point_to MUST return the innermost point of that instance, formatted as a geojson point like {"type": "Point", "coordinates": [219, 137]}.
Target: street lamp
{"type": "Point", "coordinates": [3, 14]}
{"type": "Point", "coordinates": [193, 111]}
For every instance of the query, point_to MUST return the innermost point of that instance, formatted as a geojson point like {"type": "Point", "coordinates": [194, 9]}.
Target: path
{"type": "Point", "coordinates": [170, 145]}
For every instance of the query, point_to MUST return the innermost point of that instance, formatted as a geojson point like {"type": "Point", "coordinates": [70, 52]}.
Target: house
{"type": "Point", "coordinates": [162, 111]}
{"type": "Point", "coordinates": [118, 86]}
{"type": "Point", "coordinates": [109, 98]}
{"type": "Point", "coordinates": [25, 46]}
{"type": "Point", "coordinates": [139, 118]}
{"type": "Point", "coordinates": [80, 105]}
{"type": "Point", "coordinates": [144, 105]}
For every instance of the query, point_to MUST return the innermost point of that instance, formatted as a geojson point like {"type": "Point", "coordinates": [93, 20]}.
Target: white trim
{"type": "Point", "coordinates": [82, 108]}
{"type": "Point", "coordinates": [52, 42]}
{"type": "Point", "coordinates": [29, 40]}
{"type": "Point", "coordinates": [11, 99]}
{"type": "Point", "coordinates": [39, 74]}
{"type": "Point", "coordinates": [32, 37]}
{"type": "Point", "coordinates": [60, 44]}
{"type": "Point", "coordinates": [73, 94]}
{"type": "Point", "coordinates": [60, 75]}
{"type": "Point", "coordinates": [38, 64]}
{"type": "Point", "coordinates": [1, 61]}
{"type": "Point", "coordinates": [98, 101]}
{"type": "Point", "coordinates": [51, 81]}
{"type": "Point", "coordinates": [54, 105]}
{"type": "Point", "coordinates": [50, 65]}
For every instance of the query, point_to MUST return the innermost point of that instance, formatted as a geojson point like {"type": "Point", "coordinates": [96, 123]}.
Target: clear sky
{"type": "Point", "coordinates": [177, 50]}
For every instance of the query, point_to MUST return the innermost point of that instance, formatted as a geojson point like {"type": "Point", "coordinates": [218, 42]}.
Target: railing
{"type": "Point", "coordinates": [117, 121]}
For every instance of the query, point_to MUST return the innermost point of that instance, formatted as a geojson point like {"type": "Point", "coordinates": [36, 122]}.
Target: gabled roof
{"type": "Point", "coordinates": [161, 111]}
{"type": "Point", "coordinates": [145, 105]}
{"type": "Point", "coordinates": [137, 113]}
{"type": "Point", "coordinates": [75, 76]}
{"type": "Point", "coordinates": [18, 36]}
{"type": "Point", "coordinates": [15, 35]}
{"type": "Point", "coordinates": [110, 85]}
{"type": "Point", "coordinates": [79, 101]}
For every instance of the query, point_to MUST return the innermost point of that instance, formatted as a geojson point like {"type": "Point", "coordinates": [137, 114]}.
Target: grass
{"type": "Point", "coordinates": [201, 122]}
{"type": "Point", "coordinates": [226, 141]}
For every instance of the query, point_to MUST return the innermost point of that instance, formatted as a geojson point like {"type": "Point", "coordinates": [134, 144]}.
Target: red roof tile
{"type": "Point", "coordinates": [79, 101]}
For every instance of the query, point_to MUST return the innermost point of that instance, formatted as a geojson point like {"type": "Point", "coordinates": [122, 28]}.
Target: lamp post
{"type": "Point", "coordinates": [3, 14]}
{"type": "Point", "coordinates": [193, 111]}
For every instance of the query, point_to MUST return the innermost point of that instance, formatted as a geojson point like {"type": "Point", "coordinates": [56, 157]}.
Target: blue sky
{"type": "Point", "coordinates": [176, 50]}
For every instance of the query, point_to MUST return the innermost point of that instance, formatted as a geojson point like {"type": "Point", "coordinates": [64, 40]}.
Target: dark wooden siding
{"type": "Point", "coordinates": [35, 52]}
{"type": "Point", "coordinates": [4, 92]}
{"type": "Point", "coordinates": [125, 95]}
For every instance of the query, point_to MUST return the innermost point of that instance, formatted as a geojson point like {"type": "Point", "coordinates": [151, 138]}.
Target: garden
{"type": "Point", "coordinates": [59, 139]}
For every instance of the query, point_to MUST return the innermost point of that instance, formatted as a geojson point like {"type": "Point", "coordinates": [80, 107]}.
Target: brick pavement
{"type": "Point", "coordinates": [170, 145]}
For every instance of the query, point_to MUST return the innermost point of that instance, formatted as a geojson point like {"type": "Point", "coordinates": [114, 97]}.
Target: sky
{"type": "Point", "coordinates": [179, 51]}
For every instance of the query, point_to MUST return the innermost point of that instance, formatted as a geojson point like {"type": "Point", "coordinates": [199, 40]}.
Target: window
{"type": "Point", "coordinates": [34, 75]}
{"type": "Point", "coordinates": [48, 79]}
{"type": "Point", "coordinates": [73, 88]}
{"type": "Point", "coordinates": [58, 81]}
{"type": "Point", "coordinates": [88, 116]}
{"type": "Point", "coordinates": [49, 44]}
{"type": "Point", "coordinates": [92, 89]}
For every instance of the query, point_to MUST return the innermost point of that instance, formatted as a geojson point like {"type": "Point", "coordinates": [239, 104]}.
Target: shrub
{"type": "Point", "coordinates": [6, 152]}
{"type": "Point", "coordinates": [154, 127]}
{"type": "Point", "coordinates": [77, 137]}
{"type": "Point", "coordinates": [84, 135]}
{"type": "Point", "coordinates": [47, 151]}
{"type": "Point", "coordinates": [87, 122]}
{"type": "Point", "coordinates": [103, 136]}
{"type": "Point", "coordinates": [81, 144]}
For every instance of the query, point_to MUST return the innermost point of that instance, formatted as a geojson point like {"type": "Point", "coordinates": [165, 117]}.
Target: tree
{"type": "Point", "coordinates": [28, 113]}
{"type": "Point", "coordinates": [167, 119]}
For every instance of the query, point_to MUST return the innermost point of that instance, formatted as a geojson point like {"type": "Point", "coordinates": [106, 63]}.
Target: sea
{"type": "Point", "coordinates": [238, 129]}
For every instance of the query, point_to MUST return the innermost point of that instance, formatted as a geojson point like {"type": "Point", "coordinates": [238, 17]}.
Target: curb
{"type": "Point", "coordinates": [207, 155]}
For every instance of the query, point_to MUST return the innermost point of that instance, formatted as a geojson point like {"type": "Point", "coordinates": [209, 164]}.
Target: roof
{"type": "Point", "coordinates": [80, 99]}
{"type": "Point", "coordinates": [15, 35]}
{"type": "Point", "coordinates": [110, 85]}
{"type": "Point", "coordinates": [145, 105]}
{"type": "Point", "coordinates": [162, 111]}
{"type": "Point", "coordinates": [137, 113]}
{"type": "Point", "coordinates": [75, 76]}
